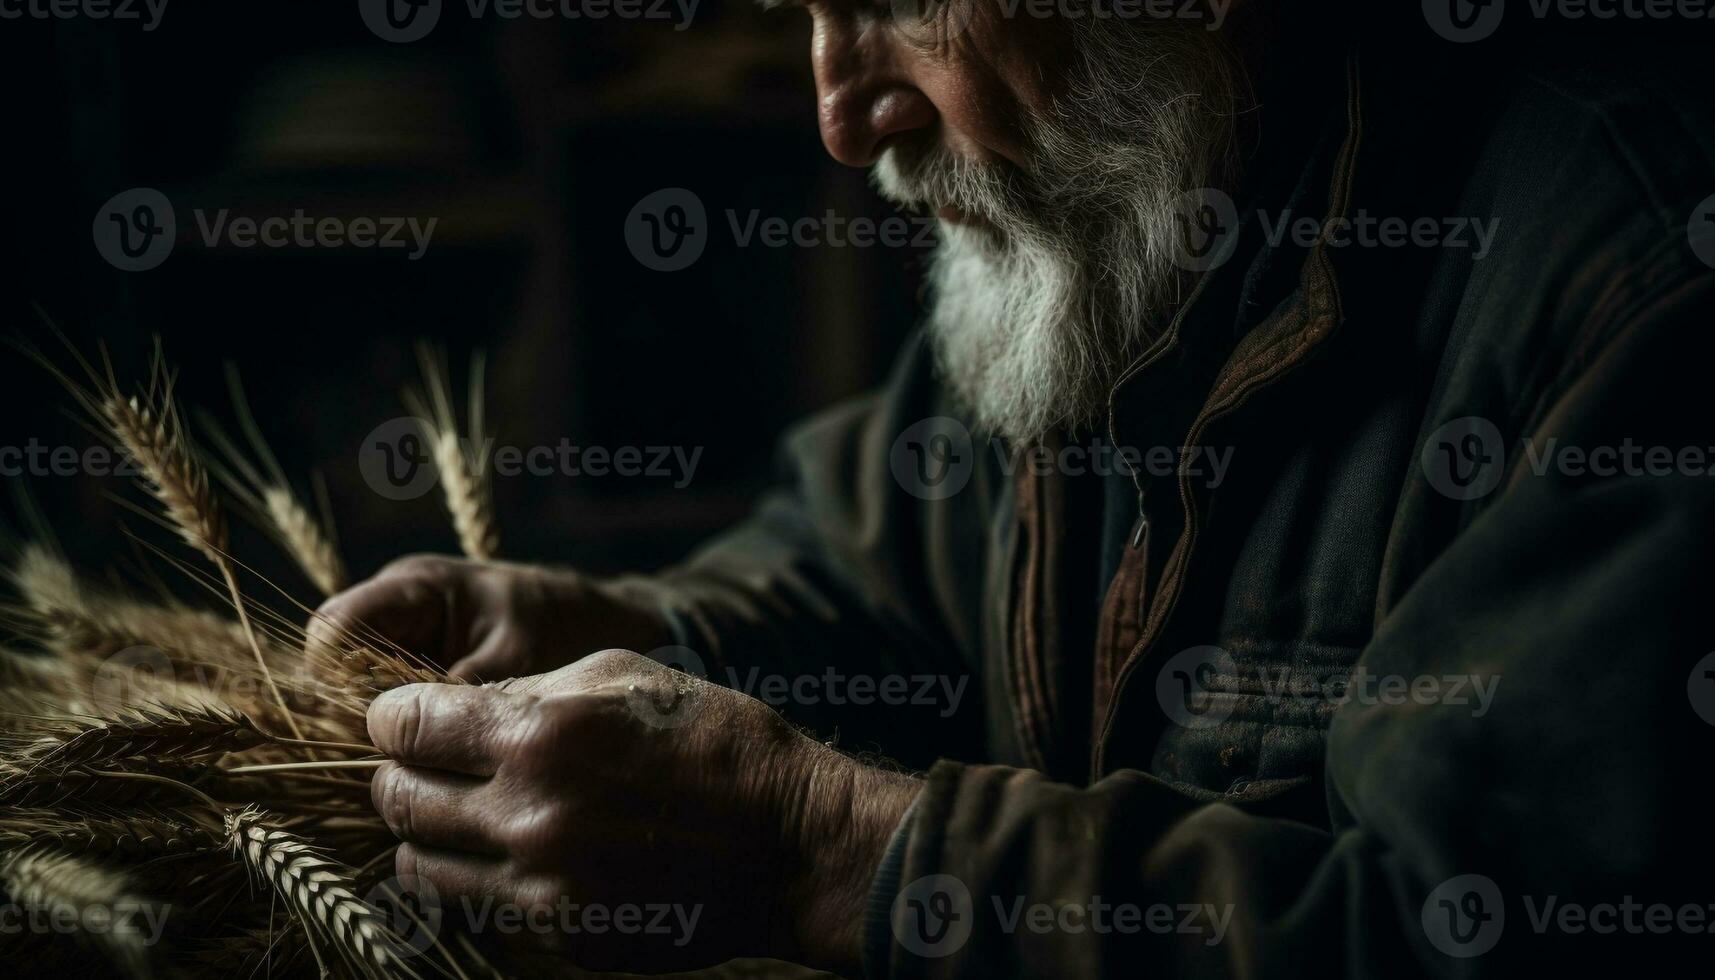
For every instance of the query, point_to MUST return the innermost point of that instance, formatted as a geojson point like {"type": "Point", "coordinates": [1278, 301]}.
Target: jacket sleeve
{"type": "Point", "coordinates": [1563, 825]}
{"type": "Point", "coordinates": [840, 576]}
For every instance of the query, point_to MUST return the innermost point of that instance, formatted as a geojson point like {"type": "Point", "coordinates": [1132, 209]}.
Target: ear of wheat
{"type": "Point", "coordinates": [461, 460]}
{"type": "Point", "coordinates": [257, 479]}
{"type": "Point", "coordinates": [148, 754]}
{"type": "Point", "coordinates": [320, 890]}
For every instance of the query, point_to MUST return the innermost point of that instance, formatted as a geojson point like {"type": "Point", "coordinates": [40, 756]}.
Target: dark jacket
{"type": "Point", "coordinates": [1235, 745]}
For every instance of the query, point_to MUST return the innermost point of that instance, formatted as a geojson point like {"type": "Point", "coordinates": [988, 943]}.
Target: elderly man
{"type": "Point", "coordinates": [1397, 665]}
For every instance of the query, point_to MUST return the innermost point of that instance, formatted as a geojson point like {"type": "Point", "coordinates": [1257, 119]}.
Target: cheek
{"type": "Point", "coordinates": [985, 82]}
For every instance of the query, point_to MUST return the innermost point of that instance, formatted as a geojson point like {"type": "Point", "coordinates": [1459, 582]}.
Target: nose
{"type": "Point", "coordinates": [863, 97]}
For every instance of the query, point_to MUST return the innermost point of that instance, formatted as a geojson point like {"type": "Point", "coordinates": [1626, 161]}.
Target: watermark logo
{"type": "Point", "coordinates": [1209, 223]}
{"type": "Point", "coordinates": [149, 12]}
{"type": "Point", "coordinates": [933, 916]}
{"type": "Point", "coordinates": [395, 460]}
{"type": "Point", "coordinates": [1700, 688]}
{"type": "Point", "coordinates": [400, 21]}
{"type": "Point", "coordinates": [135, 230]}
{"type": "Point", "coordinates": [667, 230]}
{"type": "Point", "coordinates": [1464, 458]}
{"type": "Point", "coordinates": [412, 906]}
{"type": "Point", "coordinates": [1185, 687]}
{"type": "Point", "coordinates": [933, 458]}
{"type": "Point", "coordinates": [1463, 917]}
{"type": "Point", "coordinates": [832, 686]}
{"type": "Point", "coordinates": [134, 675]}
{"type": "Point", "coordinates": [1208, 229]}
{"type": "Point", "coordinates": [674, 698]}
{"type": "Point", "coordinates": [1464, 21]}
{"type": "Point", "coordinates": [136, 922]}
{"type": "Point", "coordinates": [1701, 231]}
{"type": "Point", "coordinates": [404, 21]}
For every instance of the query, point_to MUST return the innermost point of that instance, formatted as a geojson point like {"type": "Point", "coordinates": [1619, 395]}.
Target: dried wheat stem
{"type": "Point", "coordinates": [83, 789]}
{"type": "Point", "coordinates": [308, 766]}
{"type": "Point", "coordinates": [256, 648]}
{"type": "Point", "coordinates": [150, 777]}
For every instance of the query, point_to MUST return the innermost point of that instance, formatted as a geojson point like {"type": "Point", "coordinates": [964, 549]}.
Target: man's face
{"type": "Point", "coordinates": [1056, 153]}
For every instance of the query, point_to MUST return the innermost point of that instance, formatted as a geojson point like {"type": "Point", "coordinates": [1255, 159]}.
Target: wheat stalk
{"type": "Point", "coordinates": [303, 538]}
{"type": "Point", "coordinates": [157, 441]}
{"type": "Point", "coordinates": [463, 472]}
{"type": "Point", "coordinates": [260, 482]}
{"type": "Point", "coordinates": [160, 733]}
{"type": "Point", "coordinates": [467, 499]}
{"type": "Point", "coordinates": [80, 790]}
{"type": "Point", "coordinates": [143, 834]}
{"type": "Point", "coordinates": [69, 888]}
{"type": "Point", "coordinates": [318, 890]}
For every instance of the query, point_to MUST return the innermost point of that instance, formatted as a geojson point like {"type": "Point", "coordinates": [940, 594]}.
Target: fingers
{"type": "Point", "coordinates": [437, 809]}
{"type": "Point", "coordinates": [496, 658]}
{"type": "Point", "coordinates": [410, 604]}
{"type": "Point", "coordinates": [444, 726]}
{"type": "Point", "coordinates": [453, 873]}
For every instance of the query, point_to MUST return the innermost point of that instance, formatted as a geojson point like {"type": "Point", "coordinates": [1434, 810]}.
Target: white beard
{"type": "Point", "coordinates": [1034, 317]}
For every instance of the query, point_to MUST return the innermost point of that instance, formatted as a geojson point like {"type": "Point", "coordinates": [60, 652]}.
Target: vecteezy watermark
{"type": "Point", "coordinates": [1463, 916]}
{"type": "Point", "coordinates": [933, 459]}
{"type": "Point", "coordinates": [1701, 231]}
{"type": "Point", "coordinates": [1465, 21]}
{"type": "Point", "coordinates": [940, 21]}
{"type": "Point", "coordinates": [934, 916]}
{"type": "Point", "coordinates": [139, 921]}
{"type": "Point", "coordinates": [146, 12]}
{"type": "Point", "coordinates": [1700, 688]}
{"type": "Point", "coordinates": [417, 915]}
{"type": "Point", "coordinates": [675, 697]}
{"type": "Point", "coordinates": [38, 460]}
{"type": "Point", "coordinates": [405, 21]}
{"type": "Point", "coordinates": [668, 230]}
{"type": "Point", "coordinates": [1209, 225]}
{"type": "Point", "coordinates": [396, 462]}
{"type": "Point", "coordinates": [1466, 458]}
{"type": "Point", "coordinates": [1202, 687]}
{"type": "Point", "coordinates": [835, 687]}
{"type": "Point", "coordinates": [137, 229]}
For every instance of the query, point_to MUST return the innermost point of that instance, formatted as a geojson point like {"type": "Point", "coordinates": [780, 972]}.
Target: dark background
{"type": "Point", "coordinates": [530, 141]}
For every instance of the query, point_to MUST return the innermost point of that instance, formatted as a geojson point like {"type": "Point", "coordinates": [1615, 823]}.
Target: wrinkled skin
{"type": "Point", "coordinates": [491, 620]}
{"type": "Point", "coordinates": [616, 781]}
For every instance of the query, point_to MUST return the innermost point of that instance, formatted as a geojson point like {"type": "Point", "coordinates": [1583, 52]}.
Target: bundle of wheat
{"type": "Point", "coordinates": [184, 792]}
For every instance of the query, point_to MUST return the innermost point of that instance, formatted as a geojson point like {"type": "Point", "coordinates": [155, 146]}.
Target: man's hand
{"type": "Point", "coordinates": [489, 620]}
{"type": "Point", "coordinates": [616, 784]}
